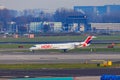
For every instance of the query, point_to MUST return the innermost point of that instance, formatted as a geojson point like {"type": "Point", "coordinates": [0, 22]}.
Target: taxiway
{"type": "Point", "coordinates": [26, 57]}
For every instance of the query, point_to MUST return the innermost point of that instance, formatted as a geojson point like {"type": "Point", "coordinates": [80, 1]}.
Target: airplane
{"type": "Point", "coordinates": [63, 46]}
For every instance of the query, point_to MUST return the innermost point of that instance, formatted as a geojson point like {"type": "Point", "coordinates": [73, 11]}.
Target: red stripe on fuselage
{"type": "Point", "coordinates": [46, 46]}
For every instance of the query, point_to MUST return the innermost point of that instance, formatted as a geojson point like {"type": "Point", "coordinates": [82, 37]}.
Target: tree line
{"type": "Point", "coordinates": [60, 15]}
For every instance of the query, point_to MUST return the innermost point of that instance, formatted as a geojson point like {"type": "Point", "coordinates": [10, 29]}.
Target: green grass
{"type": "Point", "coordinates": [29, 45]}
{"type": "Point", "coordinates": [50, 66]}
{"type": "Point", "coordinates": [94, 47]}
{"type": "Point", "coordinates": [96, 50]}
{"type": "Point", "coordinates": [106, 50]}
{"type": "Point", "coordinates": [91, 48]}
{"type": "Point", "coordinates": [56, 38]}
{"type": "Point", "coordinates": [108, 38]}
{"type": "Point", "coordinates": [42, 39]}
{"type": "Point", "coordinates": [15, 45]}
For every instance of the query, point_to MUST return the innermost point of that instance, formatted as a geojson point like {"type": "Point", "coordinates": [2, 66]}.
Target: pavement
{"type": "Point", "coordinates": [22, 57]}
{"type": "Point", "coordinates": [53, 57]}
{"type": "Point", "coordinates": [75, 78]}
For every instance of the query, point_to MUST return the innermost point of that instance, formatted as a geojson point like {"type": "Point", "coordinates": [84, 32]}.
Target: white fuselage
{"type": "Point", "coordinates": [63, 46]}
{"type": "Point", "coordinates": [55, 46]}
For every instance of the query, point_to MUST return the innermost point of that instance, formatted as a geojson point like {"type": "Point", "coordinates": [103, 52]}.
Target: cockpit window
{"type": "Point", "coordinates": [33, 46]}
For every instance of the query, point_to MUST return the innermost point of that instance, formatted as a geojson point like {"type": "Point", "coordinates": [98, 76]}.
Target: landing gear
{"type": "Point", "coordinates": [33, 51]}
{"type": "Point", "coordinates": [65, 50]}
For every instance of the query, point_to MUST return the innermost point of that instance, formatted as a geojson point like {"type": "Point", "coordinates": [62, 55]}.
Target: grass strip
{"type": "Point", "coordinates": [56, 38]}
{"type": "Point", "coordinates": [50, 66]}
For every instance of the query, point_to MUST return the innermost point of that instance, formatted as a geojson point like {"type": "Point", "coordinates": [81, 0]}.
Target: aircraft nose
{"type": "Point", "coordinates": [31, 48]}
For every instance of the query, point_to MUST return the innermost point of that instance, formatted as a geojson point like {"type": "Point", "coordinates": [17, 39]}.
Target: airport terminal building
{"type": "Point", "coordinates": [73, 23]}
{"type": "Point", "coordinates": [105, 27]}
{"type": "Point", "coordinates": [99, 10]}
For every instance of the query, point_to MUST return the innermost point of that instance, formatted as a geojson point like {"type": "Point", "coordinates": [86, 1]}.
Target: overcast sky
{"type": "Point", "coordinates": [53, 4]}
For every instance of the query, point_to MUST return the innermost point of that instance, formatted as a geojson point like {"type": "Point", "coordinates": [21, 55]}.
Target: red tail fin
{"type": "Point", "coordinates": [87, 41]}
